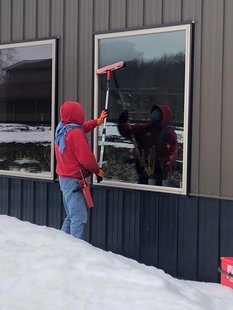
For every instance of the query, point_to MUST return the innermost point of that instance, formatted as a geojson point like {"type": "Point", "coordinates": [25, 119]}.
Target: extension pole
{"type": "Point", "coordinates": [107, 69]}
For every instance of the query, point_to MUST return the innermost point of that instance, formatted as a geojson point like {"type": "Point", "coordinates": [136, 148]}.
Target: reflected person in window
{"type": "Point", "coordinates": [156, 143]}
{"type": "Point", "coordinates": [73, 153]}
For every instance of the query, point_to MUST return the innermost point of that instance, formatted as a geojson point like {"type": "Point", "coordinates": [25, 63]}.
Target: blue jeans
{"type": "Point", "coordinates": [75, 207]}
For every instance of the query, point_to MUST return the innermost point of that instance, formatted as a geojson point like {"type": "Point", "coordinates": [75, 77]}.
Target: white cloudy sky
{"type": "Point", "coordinates": [44, 268]}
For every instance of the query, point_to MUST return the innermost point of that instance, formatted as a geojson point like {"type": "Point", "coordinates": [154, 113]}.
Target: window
{"type": "Point", "coordinates": [149, 149]}
{"type": "Point", "coordinates": [27, 108]}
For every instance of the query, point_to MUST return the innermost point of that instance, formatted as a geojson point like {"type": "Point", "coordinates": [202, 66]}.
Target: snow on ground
{"type": "Point", "coordinates": [43, 268]}
{"type": "Point", "coordinates": [24, 133]}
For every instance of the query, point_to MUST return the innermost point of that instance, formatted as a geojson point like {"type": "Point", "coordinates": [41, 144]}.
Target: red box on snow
{"type": "Point", "coordinates": [226, 271]}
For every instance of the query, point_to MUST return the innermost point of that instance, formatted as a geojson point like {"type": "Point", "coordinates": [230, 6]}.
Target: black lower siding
{"type": "Point", "coordinates": [183, 236]}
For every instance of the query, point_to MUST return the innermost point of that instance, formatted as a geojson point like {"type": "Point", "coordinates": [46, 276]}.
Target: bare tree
{"type": "Point", "coordinates": [8, 56]}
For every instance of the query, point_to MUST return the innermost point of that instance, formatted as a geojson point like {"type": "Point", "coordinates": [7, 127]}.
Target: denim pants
{"type": "Point", "coordinates": [75, 207]}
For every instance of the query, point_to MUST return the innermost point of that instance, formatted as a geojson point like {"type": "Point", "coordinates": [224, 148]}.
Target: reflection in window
{"type": "Point", "coordinates": [27, 94]}
{"type": "Point", "coordinates": [147, 144]}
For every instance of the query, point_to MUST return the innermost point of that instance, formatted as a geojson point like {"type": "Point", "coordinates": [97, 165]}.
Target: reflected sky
{"type": "Point", "coordinates": [145, 47]}
{"type": "Point", "coordinates": [34, 52]}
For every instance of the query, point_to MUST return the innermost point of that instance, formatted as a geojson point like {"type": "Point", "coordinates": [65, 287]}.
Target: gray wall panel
{"type": "Point", "coordinates": [6, 18]}
{"type": "Point", "coordinates": [70, 49]}
{"type": "Point", "coordinates": [84, 54]}
{"type": "Point", "coordinates": [192, 10]}
{"type": "Point", "coordinates": [117, 19]}
{"type": "Point", "coordinates": [153, 10]}
{"type": "Point", "coordinates": [227, 106]}
{"type": "Point", "coordinates": [134, 13]}
{"type": "Point", "coordinates": [172, 11]}
{"type": "Point", "coordinates": [211, 89]}
{"type": "Point", "coordinates": [101, 14]}
{"type": "Point", "coordinates": [43, 18]}
{"type": "Point", "coordinates": [30, 19]}
{"type": "Point", "coordinates": [17, 19]}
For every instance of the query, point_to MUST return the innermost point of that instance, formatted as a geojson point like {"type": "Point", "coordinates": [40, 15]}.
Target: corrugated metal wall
{"type": "Point", "coordinates": [74, 23]}
{"type": "Point", "coordinates": [184, 236]}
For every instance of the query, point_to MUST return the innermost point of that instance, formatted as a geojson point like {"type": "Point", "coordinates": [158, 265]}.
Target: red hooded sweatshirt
{"type": "Point", "coordinates": [77, 154]}
{"type": "Point", "coordinates": [147, 135]}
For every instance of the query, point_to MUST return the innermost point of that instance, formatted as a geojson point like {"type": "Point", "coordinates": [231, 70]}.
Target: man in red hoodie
{"type": "Point", "coordinates": [73, 153]}
{"type": "Point", "coordinates": [156, 143]}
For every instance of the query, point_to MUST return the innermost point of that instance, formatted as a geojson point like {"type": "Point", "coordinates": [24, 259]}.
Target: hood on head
{"type": "Point", "coordinates": [166, 114]}
{"type": "Point", "coordinates": [72, 113]}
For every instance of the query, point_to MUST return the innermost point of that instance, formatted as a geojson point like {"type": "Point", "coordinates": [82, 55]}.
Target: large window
{"type": "Point", "coordinates": [27, 104]}
{"type": "Point", "coordinates": [145, 139]}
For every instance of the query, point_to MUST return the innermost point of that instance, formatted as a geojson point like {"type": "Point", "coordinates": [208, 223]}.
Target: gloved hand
{"type": "Point", "coordinates": [103, 115]}
{"type": "Point", "coordinates": [123, 117]}
{"type": "Point", "coordinates": [100, 175]}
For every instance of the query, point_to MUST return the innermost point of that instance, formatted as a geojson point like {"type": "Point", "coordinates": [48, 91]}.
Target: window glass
{"type": "Point", "coordinates": [27, 95]}
{"type": "Point", "coordinates": [145, 145]}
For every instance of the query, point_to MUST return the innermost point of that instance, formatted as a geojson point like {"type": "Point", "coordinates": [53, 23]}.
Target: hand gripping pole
{"type": "Point", "coordinates": [107, 69]}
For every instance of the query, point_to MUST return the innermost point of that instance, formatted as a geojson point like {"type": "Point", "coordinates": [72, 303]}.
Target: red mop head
{"type": "Point", "coordinates": [110, 68]}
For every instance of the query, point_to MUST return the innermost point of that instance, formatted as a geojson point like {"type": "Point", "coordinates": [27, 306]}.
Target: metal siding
{"type": "Point", "coordinates": [6, 18]}
{"type": "Point", "coordinates": [171, 11]}
{"type": "Point", "coordinates": [70, 43]}
{"type": "Point", "coordinates": [41, 203]}
{"type": "Point", "coordinates": [57, 29]}
{"type": "Point", "coordinates": [98, 216]}
{"type": "Point", "coordinates": [30, 19]}
{"type": "Point", "coordinates": [134, 13]}
{"type": "Point", "coordinates": [211, 91]}
{"type": "Point", "coordinates": [117, 18]}
{"type": "Point", "coordinates": [131, 225]}
{"type": "Point", "coordinates": [226, 179]}
{"type": "Point", "coordinates": [168, 234]}
{"type": "Point", "coordinates": [43, 18]}
{"type": "Point", "coordinates": [208, 240]}
{"type": "Point", "coordinates": [15, 198]}
{"type": "Point", "coordinates": [4, 195]}
{"type": "Point", "coordinates": [17, 19]}
{"type": "Point", "coordinates": [192, 10]}
{"type": "Point", "coordinates": [84, 56]}
{"type": "Point", "coordinates": [153, 12]}
{"type": "Point", "coordinates": [187, 238]}
{"type": "Point", "coordinates": [115, 211]}
{"type": "Point", "coordinates": [225, 229]}
{"type": "Point", "coordinates": [27, 202]}
{"type": "Point", "coordinates": [55, 206]}
{"type": "Point", "coordinates": [101, 14]}
{"type": "Point", "coordinates": [149, 243]}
